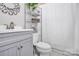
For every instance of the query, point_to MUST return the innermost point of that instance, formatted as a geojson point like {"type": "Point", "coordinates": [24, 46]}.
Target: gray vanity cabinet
{"type": "Point", "coordinates": [9, 50]}
{"type": "Point", "coordinates": [22, 48]}
{"type": "Point", "coordinates": [17, 44]}
{"type": "Point", "coordinates": [26, 47]}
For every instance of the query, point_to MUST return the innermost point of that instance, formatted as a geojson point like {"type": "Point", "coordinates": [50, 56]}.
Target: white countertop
{"type": "Point", "coordinates": [14, 30]}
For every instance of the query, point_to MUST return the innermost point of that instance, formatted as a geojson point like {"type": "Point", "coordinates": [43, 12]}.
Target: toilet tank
{"type": "Point", "coordinates": [35, 38]}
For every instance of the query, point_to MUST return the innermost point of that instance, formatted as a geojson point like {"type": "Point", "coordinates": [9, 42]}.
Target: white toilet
{"type": "Point", "coordinates": [43, 48]}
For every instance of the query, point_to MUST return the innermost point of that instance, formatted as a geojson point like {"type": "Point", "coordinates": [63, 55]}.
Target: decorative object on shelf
{"type": "Point", "coordinates": [35, 13]}
{"type": "Point", "coordinates": [11, 11]}
{"type": "Point", "coordinates": [32, 6]}
{"type": "Point", "coordinates": [35, 20]}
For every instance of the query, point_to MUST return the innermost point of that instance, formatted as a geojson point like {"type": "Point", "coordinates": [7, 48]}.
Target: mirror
{"type": "Point", "coordinates": [14, 10]}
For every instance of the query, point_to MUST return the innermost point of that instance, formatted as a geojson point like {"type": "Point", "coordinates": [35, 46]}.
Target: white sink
{"type": "Point", "coordinates": [17, 29]}
{"type": "Point", "coordinates": [14, 30]}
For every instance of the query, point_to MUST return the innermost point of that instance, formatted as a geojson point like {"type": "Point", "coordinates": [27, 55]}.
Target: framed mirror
{"type": "Point", "coordinates": [13, 10]}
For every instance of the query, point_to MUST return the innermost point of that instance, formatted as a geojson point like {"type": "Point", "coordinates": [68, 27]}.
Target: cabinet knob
{"type": "Point", "coordinates": [21, 46]}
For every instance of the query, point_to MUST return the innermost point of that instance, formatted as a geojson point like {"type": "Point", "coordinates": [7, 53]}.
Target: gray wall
{"type": "Point", "coordinates": [17, 19]}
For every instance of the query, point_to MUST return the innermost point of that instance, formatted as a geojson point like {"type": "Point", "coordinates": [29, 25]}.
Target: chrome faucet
{"type": "Point", "coordinates": [12, 25]}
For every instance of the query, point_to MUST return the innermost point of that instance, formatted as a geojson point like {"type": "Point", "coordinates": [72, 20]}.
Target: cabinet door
{"type": "Point", "coordinates": [27, 47]}
{"type": "Point", "coordinates": [9, 50]}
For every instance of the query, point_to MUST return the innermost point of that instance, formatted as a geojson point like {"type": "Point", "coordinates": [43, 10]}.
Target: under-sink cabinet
{"type": "Point", "coordinates": [16, 44]}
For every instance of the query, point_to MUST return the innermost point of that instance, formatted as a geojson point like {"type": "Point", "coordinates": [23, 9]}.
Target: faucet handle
{"type": "Point", "coordinates": [7, 27]}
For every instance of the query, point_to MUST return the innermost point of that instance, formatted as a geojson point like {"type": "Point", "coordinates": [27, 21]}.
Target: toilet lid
{"type": "Point", "coordinates": [43, 45]}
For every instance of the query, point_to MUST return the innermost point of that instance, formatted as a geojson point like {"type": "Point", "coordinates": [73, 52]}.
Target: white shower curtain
{"type": "Point", "coordinates": [58, 25]}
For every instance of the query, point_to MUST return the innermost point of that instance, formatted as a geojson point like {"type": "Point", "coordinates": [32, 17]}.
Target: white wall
{"type": "Point", "coordinates": [58, 25]}
{"type": "Point", "coordinates": [77, 29]}
{"type": "Point", "coordinates": [17, 19]}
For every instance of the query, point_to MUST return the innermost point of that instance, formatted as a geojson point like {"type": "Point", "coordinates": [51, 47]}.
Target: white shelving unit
{"type": "Point", "coordinates": [28, 21]}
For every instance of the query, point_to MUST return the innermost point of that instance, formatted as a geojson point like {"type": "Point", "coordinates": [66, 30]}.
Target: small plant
{"type": "Point", "coordinates": [32, 6]}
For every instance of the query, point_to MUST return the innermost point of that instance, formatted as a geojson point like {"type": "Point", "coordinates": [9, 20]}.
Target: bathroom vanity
{"type": "Point", "coordinates": [16, 42]}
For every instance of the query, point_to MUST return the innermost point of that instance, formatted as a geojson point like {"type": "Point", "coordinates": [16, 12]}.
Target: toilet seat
{"type": "Point", "coordinates": [43, 45]}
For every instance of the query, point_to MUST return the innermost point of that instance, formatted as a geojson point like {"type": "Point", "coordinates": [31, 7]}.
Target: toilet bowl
{"type": "Point", "coordinates": [43, 48]}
